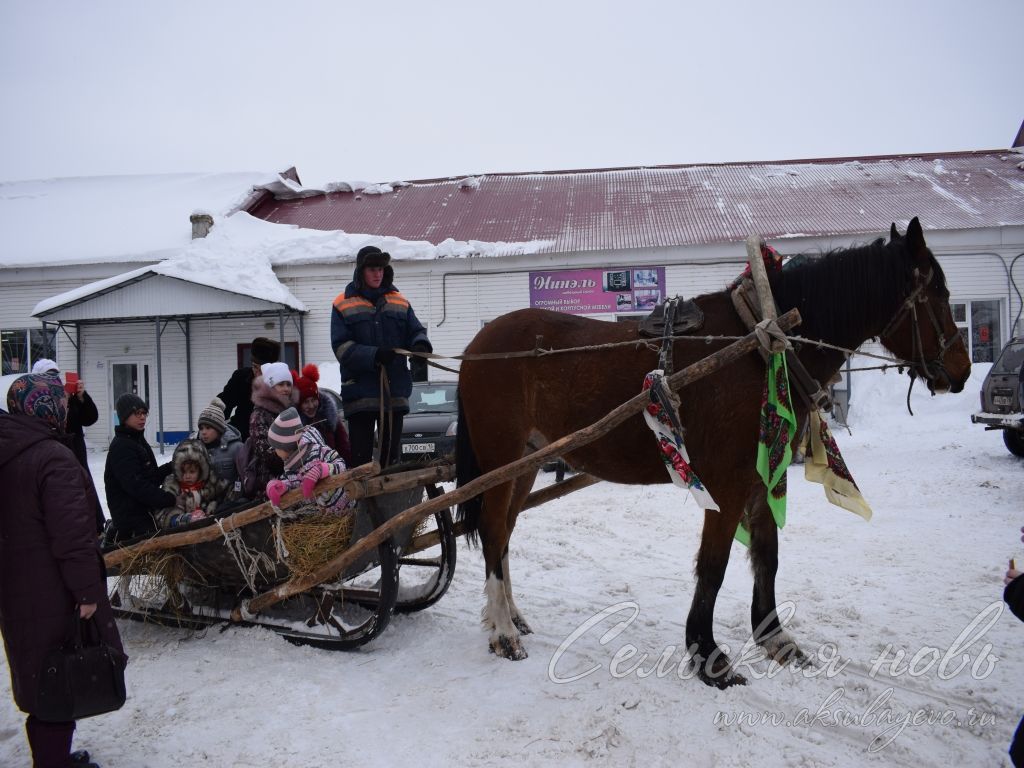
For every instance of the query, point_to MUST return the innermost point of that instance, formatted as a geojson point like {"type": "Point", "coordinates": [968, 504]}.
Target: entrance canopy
{"type": "Point", "coordinates": [165, 294]}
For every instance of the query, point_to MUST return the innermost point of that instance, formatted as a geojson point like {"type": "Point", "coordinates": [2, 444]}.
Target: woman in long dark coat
{"type": "Point", "coordinates": [50, 563]}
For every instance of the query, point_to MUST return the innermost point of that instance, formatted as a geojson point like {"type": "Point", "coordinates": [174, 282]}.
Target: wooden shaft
{"type": "Point", "coordinates": [760, 277]}
{"type": "Point", "coordinates": [399, 481]}
{"type": "Point", "coordinates": [237, 520]}
{"type": "Point", "coordinates": [558, 490]}
{"type": "Point", "coordinates": [535, 499]}
{"type": "Point", "coordinates": [704, 367]}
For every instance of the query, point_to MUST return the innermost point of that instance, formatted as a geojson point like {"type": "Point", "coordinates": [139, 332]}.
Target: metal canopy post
{"type": "Point", "coordinates": [187, 330]}
{"type": "Point", "coordinates": [280, 333]}
{"type": "Point", "coordinates": [159, 387]}
{"type": "Point", "coordinates": [302, 341]}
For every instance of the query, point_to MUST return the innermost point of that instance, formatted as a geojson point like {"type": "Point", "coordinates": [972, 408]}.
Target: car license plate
{"type": "Point", "coordinates": [418, 448]}
{"type": "Point", "coordinates": [1000, 400]}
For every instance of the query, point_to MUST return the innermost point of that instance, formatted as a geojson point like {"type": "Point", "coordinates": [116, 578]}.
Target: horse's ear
{"type": "Point", "coordinates": [915, 240]}
{"type": "Point", "coordinates": [894, 234]}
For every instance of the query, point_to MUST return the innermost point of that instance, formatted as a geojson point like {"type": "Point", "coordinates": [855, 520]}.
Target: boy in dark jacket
{"type": "Point", "coordinates": [131, 476]}
{"type": "Point", "coordinates": [370, 319]}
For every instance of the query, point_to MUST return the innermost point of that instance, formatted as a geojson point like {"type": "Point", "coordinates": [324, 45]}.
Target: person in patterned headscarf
{"type": "Point", "coordinates": [50, 563]}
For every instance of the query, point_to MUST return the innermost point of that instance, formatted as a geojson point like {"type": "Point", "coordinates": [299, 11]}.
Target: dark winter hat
{"type": "Point", "coordinates": [284, 432]}
{"type": "Point", "coordinates": [213, 416]}
{"type": "Point", "coordinates": [127, 404]}
{"type": "Point", "coordinates": [372, 256]}
{"type": "Point", "coordinates": [264, 350]}
{"type": "Point", "coordinates": [40, 395]}
{"type": "Point", "coordinates": [306, 383]}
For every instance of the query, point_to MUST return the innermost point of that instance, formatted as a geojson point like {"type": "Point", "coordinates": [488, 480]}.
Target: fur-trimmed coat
{"type": "Point", "coordinates": [266, 407]}
{"type": "Point", "coordinates": [213, 489]}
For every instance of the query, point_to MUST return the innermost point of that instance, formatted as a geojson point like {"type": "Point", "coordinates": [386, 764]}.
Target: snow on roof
{"type": "Point", "coordinates": [241, 251]}
{"type": "Point", "coordinates": [87, 220]}
{"type": "Point", "coordinates": [288, 244]}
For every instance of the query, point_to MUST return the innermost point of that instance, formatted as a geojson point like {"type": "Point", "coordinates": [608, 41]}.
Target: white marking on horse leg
{"type": "Point", "coordinates": [504, 637]}
{"type": "Point", "coordinates": [517, 618]}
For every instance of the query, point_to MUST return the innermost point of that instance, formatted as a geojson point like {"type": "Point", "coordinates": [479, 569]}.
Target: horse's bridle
{"type": "Point", "coordinates": [934, 369]}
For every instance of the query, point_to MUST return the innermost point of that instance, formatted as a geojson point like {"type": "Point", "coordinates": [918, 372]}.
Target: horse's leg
{"type": "Point", "coordinates": [713, 665]}
{"type": "Point", "coordinates": [523, 485]}
{"type": "Point", "coordinates": [494, 535]}
{"type": "Point", "coordinates": [764, 562]}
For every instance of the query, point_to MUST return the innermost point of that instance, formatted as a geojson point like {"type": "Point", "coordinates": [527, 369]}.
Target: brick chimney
{"type": "Point", "coordinates": [202, 222]}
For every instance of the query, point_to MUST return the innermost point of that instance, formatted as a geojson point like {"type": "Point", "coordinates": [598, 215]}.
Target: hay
{"type": "Point", "coordinates": [312, 540]}
{"type": "Point", "coordinates": [156, 576]}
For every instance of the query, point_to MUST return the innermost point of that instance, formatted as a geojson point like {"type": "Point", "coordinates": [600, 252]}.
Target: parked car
{"type": "Point", "coordinates": [1000, 397]}
{"type": "Point", "coordinates": [428, 431]}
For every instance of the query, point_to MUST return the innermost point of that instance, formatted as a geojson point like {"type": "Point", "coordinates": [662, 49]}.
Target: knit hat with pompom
{"type": "Point", "coordinates": [306, 383]}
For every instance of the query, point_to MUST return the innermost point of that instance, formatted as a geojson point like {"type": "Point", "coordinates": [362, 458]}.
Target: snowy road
{"type": "Point", "coordinates": [947, 503]}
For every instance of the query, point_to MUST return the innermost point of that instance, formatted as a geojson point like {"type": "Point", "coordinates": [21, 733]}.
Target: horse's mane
{"type": "Point", "coordinates": [845, 290]}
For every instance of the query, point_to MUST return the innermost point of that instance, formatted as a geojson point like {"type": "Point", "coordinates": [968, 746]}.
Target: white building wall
{"type": "Point", "coordinates": [977, 265]}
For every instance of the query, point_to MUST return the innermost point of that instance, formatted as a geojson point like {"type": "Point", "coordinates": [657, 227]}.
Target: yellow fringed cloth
{"type": "Point", "coordinates": [823, 463]}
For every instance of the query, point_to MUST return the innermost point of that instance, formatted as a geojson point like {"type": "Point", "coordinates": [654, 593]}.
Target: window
{"type": "Point", "coordinates": [980, 325]}
{"type": "Point", "coordinates": [291, 355]}
{"type": "Point", "coordinates": [23, 346]}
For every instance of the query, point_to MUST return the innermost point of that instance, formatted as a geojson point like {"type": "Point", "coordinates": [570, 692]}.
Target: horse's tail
{"type": "Point", "coordinates": [467, 469]}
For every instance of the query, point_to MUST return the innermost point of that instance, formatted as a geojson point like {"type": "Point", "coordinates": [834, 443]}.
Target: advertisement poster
{"type": "Point", "coordinates": [590, 291]}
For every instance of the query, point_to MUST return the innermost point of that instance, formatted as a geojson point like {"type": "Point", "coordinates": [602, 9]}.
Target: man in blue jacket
{"type": "Point", "coordinates": [370, 319]}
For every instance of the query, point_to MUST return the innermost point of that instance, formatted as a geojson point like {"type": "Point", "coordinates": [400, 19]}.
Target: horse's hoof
{"type": "Point", "coordinates": [521, 625]}
{"type": "Point", "coordinates": [722, 681]}
{"type": "Point", "coordinates": [783, 650]}
{"type": "Point", "coordinates": [718, 674]}
{"type": "Point", "coordinates": [508, 648]}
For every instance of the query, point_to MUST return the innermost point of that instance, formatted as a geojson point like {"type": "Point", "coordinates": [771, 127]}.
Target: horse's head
{"type": "Point", "coordinates": [923, 331]}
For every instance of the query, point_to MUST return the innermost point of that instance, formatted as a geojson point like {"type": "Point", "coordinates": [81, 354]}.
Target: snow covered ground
{"type": "Point", "coordinates": [923, 579]}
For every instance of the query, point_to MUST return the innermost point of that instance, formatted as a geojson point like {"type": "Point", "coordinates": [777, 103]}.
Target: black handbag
{"type": "Point", "coordinates": [82, 678]}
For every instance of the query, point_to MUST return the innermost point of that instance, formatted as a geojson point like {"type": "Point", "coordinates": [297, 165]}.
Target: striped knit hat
{"type": "Point", "coordinates": [213, 416]}
{"type": "Point", "coordinates": [284, 432]}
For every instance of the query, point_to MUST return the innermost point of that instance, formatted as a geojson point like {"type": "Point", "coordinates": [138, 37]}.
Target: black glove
{"type": "Point", "coordinates": [384, 356]}
{"type": "Point", "coordinates": [421, 346]}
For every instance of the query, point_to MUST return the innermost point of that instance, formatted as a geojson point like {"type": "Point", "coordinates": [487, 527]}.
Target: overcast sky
{"type": "Point", "coordinates": [385, 91]}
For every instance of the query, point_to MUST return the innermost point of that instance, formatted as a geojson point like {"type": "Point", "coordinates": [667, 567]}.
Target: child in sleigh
{"type": "Point", "coordinates": [307, 459]}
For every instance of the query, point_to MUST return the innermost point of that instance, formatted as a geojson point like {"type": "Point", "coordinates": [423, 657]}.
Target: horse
{"type": "Point", "coordinates": [894, 291]}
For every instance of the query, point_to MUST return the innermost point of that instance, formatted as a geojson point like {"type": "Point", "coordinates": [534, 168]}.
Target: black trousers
{"type": "Point", "coordinates": [361, 428]}
{"type": "Point", "coordinates": [50, 742]}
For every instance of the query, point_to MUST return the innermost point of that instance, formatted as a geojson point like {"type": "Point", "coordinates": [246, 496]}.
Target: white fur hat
{"type": "Point", "coordinates": [275, 373]}
{"type": "Point", "coordinates": [43, 365]}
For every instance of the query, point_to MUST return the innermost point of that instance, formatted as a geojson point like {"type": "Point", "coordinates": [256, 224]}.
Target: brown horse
{"type": "Point", "coordinates": [895, 291]}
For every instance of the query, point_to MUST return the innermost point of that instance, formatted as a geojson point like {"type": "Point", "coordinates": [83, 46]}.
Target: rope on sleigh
{"type": "Point", "coordinates": [250, 562]}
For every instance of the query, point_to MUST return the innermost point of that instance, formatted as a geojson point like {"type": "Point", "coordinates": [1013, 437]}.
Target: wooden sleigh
{"type": "Point", "coordinates": [400, 551]}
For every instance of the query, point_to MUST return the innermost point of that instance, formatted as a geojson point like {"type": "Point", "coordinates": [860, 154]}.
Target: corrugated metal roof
{"type": "Point", "coordinates": [625, 208]}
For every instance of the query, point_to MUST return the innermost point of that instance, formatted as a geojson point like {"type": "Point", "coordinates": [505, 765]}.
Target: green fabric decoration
{"type": "Point", "coordinates": [774, 445]}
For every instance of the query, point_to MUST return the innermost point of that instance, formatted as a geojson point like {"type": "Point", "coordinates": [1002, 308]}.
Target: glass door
{"type": "Point", "coordinates": [131, 377]}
